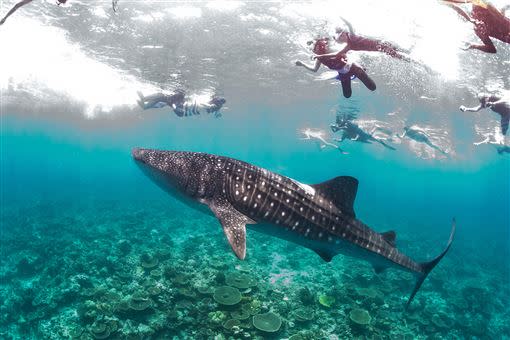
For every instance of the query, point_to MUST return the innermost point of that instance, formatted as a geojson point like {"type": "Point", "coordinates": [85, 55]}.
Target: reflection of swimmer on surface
{"type": "Point", "coordinates": [419, 135]}
{"type": "Point", "coordinates": [338, 62]}
{"type": "Point", "coordinates": [498, 104]}
{"type": "Point", "coordinates": [495, 137]}
{"type": "Point", "coordinates": [501, 149]}
{"type": "Point", "coordinates": [23, 3]}
{"type": "Point", "coordinates": [488, 21]}
{"type": "Point", "coordinates": [181, 106]}
{"type": "Point", "coordinates": [115, 5]}
{"type": "Point", "coordinates": [357, 42]}
{"type": "Point", "coordinates": [318, 136]}
{"type": "Point", "coordinates": [352, 131]}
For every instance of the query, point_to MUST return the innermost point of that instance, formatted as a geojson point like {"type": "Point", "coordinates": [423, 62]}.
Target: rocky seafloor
{"type": "Point", "coordinates": [108, 270]}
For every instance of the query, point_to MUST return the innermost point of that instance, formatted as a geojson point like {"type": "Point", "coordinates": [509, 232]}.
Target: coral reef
{"type": "Point", "coordinates": [140, 274]}
{"type": "Point", "coordinates": [268, 322]}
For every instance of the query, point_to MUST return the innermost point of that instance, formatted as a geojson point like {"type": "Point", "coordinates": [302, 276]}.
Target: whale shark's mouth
{"type": "Point", "coordinates": [137, 154]}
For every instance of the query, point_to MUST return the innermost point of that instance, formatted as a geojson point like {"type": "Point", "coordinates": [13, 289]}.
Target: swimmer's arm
{"type": "Point", "coordinates": [494, 11]}
{"type": "Point", "coordinates": [471, 109]}
{"type": "Point", "coordinates": [461, 12]}
{"type": "Point", "coordinates": [485, 141]}
{"type": "Point", "coordinates": [14, 9]}
{"type": "Point", "coordinates": [313, 68]}
{"type": "Point", "coordinates": [498, 102]}
{"type": "Point", "coordinates": [333, 54]}
{"type": "Point", "coordinates": [348, 24]}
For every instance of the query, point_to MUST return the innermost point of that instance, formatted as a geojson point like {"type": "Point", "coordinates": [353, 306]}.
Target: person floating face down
{"type": "Point", "coordinates": [488, 21]}
{"type": "Point", "coordinates": [357, 42]}
{"type": "Point", "coordinates": [350, 130]}
{"type": "Point", "coordinates": [338, 62]}
{"type": "Point", "coordinates": [181, 107]}
{"type": "Point", "coordinates": [497, 103]}
{"type": "Point", "coordinates": [419, 135]}
{"type": "Point", "coordinates": [23, 3]}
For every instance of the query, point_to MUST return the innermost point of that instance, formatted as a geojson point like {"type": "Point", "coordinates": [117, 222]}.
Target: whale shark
{"type": "Point", "coordinates": [318, 216]}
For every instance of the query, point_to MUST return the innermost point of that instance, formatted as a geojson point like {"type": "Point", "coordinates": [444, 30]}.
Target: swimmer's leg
{"type": "Point", "coordinates": [149, 102]}
{"type": "Point", "coordinates": [160, 97]}
{"type": "Point", "coordinates": [505, 120]}
{"type": "Point", "coordinates": [435, 147]}
{"type": "Point", "coordinates": [384, 144]}
{"type": "Point", "coordinates": [141, 101]}
{"type": "Point", "coordinates": [363, 76]}
{"type": "Point", "coordinates": [346, 86]}
{"type": "Point", "coordinates": [393, 51]}
{"type": "Point", "coordinates": [487, 46]}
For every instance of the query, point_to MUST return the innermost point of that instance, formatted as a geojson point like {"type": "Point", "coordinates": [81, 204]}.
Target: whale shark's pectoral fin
{"type": "Point", "coordinates": [378, 269]}
{"type": "Point", "coordinates": [324, 255]}
{"type": "Point", "coordinates": [234, 225]}
{"type": "Point", "coordinates": [341, 191]}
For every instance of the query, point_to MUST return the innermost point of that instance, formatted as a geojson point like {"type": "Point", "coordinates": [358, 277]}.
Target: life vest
{"type": "Point", "coordinates": [335, 62]}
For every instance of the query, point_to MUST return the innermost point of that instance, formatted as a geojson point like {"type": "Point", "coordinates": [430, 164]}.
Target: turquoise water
{"type": "Point", "coordinates": [91, 248]}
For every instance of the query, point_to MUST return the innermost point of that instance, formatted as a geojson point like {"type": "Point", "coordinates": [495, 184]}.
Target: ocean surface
{"type": "Point", "coordinates": [90, 248]}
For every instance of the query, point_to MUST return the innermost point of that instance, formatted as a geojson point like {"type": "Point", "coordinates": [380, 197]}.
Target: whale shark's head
{"type": "Point", "coordinates": [187, 173]}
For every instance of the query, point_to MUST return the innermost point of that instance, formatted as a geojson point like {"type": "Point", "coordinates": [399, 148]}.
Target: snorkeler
{"type": "Point", "coordinates": [23, 3]}
{"type": "Point", "coordinates": [318, 135]}
{"type": "Point", "coordinates": [418, 135]}
{"type": "Point", "coordinates": [488, 21]}
{"type": "Point", "coordinates": [498, 104]}
{"type": "Point", "coordinates": [180, 105]}
{"type": "Point", "coordinates": [115, 5]}
{"type": "Point", "coordinates": [193, 107]}
{"type": "Point", "coordinates": [338, 62]}
{"type": "Point", "coordinates": [357, 42]}
{"type": "Point", "coordinates": [352, 131]}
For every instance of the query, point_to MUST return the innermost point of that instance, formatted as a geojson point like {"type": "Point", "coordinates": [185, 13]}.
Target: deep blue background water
{"type": "Point", "coordinates": [50, 160]}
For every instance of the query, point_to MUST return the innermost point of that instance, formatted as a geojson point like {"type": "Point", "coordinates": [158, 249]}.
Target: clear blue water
{"type": "Point", "coordinates": [71, 194]}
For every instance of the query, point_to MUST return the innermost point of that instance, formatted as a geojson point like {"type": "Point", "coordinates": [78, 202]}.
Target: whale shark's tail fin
{"type": "Point", "coordinates": [428, 266]}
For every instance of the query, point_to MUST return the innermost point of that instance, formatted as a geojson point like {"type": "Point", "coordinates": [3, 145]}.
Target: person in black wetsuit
{"type": "Point", "coordinates": [351, 130]}
{"type": "Point", "coordinates": [23, 3]}
{"type": "Point", "coordinates": [181, 106]}
{"type": "Point", "coordinates": [357, 42]}
{"type": "Point", "coordinates": [338, 62]}
{"type": "Point", "coordinates": [420, 136]}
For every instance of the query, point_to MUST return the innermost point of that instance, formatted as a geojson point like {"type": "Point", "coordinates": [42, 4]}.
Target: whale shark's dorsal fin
{"type": "Point", "coordinates": [390, 237]}
{"type": "Point", "coordinates": [233, 223]}
{"type": "Point", "coordinates": [341, 191]}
